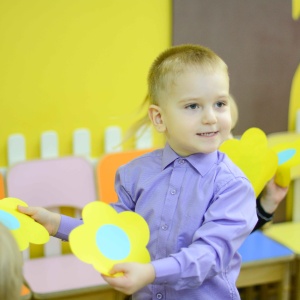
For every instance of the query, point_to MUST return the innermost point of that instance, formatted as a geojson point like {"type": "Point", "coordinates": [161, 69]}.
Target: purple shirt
{"type": "Point", "coordinates": [199, 210]}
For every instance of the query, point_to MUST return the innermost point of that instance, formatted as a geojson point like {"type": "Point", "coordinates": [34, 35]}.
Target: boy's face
{"type": "Point", "coordinates": [194, 113]}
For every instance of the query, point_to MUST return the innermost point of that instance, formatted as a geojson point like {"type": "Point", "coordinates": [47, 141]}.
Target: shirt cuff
{"type": "Point", "coordinates": [67, 224]}
{"type": "Point", "coordinates": [167, 270]}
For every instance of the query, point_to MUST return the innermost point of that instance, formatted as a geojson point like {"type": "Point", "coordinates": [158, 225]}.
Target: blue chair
{"type": "Point", "coordinates": [265, 261]}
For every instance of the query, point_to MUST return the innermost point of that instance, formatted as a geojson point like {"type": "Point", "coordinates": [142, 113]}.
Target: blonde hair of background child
{"type": "Point", "coordinates": [167, 67]}
{"type": "Point", "coordinates": [11, 277]}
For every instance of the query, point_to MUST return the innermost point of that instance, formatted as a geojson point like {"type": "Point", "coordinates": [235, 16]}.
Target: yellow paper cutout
{"type": "Point", "coordinates": [23, 228]}
{"type": "Point", "coordinates": [295, 9]}
{"type": "Point", "coordinates": [253, 156]}
{"type": "Point", "coordinates": [294, 104]}
{"type": "Point", "coordinates": [108, 237]}
{"type": "Point", "coordinates": [289, 157]}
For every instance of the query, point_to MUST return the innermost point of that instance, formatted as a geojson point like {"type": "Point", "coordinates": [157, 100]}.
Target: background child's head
{"type": "Point", "coordinates": [10, 266]}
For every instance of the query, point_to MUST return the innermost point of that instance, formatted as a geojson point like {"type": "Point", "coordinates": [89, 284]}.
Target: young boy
{"type": "Point", "coordinates": [199, 206]}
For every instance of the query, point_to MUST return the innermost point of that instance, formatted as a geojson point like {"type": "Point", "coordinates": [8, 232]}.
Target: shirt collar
{"type": "Point", "coordinates": [200, 161]}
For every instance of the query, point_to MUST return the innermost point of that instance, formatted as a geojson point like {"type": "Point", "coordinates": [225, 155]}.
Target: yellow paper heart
{"type": "Point", "coordinates": [253, 156]}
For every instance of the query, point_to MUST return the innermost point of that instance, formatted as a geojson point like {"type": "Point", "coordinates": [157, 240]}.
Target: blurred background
{"type": "Point", "coordinates": [72, 64]}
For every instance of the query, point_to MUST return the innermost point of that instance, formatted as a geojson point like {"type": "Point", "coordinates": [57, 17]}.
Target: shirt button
{"type": "Point", "coordinates": [181, 161]}
{"type": "Point", "coordinates": [164, 227]}
{"type": "Point", "coordinates": [173, 191]}
{"type": "Point", "coordinates": [159, 296]}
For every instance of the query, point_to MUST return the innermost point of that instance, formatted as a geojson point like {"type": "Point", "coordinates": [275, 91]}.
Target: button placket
{"type": "Point", "coordinates": [169, 208]}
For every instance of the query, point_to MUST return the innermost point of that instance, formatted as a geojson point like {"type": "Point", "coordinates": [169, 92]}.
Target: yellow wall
{"type": "Point", "coordinates": [69, 64]}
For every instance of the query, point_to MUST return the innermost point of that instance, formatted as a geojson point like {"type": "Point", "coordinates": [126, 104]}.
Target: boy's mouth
{"type": "Point", "coordinates": [208, 134]}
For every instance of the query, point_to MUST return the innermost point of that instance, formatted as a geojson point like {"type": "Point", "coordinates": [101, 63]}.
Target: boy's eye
{"type": "Point", "coordinates": [192, 106]}
{"type": "Point", "coordinates": [220, 104]}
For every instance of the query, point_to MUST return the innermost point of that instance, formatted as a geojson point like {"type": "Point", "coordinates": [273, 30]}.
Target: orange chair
{"type": "Point", "coordinates": [2, 188]}
{"type": "Point", "coordinates": [106, 171]}
{"type": "Point", "coordinates": [25, 293]}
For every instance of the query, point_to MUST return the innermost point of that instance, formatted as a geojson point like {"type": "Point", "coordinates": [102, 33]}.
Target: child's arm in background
{"type": "Point", "coordinates": [48, 219]}
{"type": "Point", "coordinates": [57, 225]}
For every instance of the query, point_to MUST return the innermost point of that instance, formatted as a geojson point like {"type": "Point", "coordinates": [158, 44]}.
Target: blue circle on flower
{"type": "Point", "coordinates": [8, 220]}
{"type": "Point", "coordinates": [113, 242]}
{"type": "Point", "coordinates": [285, 155]}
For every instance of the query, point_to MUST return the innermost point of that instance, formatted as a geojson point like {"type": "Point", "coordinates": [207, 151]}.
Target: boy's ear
{"type": "Point", "coordinates": [155, 116]}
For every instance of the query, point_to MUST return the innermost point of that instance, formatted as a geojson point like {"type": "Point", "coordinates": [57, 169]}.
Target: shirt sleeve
{"type": "Point", "coordinates": [67, 224]}
{"type": "Point", "coordinates": [227, 222]}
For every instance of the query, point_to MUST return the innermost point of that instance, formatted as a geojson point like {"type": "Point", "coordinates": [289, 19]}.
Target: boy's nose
{"type": "Point", "coordinates": [209, 117]}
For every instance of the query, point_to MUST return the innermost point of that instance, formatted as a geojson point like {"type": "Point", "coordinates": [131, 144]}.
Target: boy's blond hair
{"type": "Point", "coordinates": [168, 65]}
{"type": "Point", "coordinates": [10, 266]}
{"type": "Point", "coordinates": [233, 111]}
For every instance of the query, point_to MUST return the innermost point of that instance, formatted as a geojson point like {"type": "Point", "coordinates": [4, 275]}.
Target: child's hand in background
{"type": "Point", "coordinates": [136, 276]}
{"type": "Point", "coordinates": [48, 219]}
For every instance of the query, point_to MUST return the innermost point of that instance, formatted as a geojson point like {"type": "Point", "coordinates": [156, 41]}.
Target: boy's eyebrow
{"type": "Point", "coordinates": [191, 98]}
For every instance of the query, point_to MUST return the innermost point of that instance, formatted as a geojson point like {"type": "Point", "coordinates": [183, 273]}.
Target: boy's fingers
{"type": "Point", "coordinates": [114, 269]}
{"type": "Point", "coordinates": [26, 210]}
{"type": "Point", "coordinates": [21, 208]}
{"type": "Point", "coordinates": [118, 268]}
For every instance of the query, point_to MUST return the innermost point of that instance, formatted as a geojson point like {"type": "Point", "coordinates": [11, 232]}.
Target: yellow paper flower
{"type": "Point", "coordinates": [108, 237]}
{"type": "Point", "coordinates": [253, 156]}
{"type": "Point", "coordinates": [289, 157]}
{"type": "Point", "coordinates": [23, 228]}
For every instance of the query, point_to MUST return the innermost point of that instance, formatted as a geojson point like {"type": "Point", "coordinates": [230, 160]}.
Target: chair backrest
{"type": "Point", "coordinates": [106, 171]}
{"type": "Point", "coordinates": [2, 187]}
{"type": "Point", "coordinates": [53, 184]}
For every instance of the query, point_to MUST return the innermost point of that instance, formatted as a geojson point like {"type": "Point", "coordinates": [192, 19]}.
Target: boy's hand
{"type": "Point", "coordinates": [272, 196]}
{"type": "Point", "coordinates": [48, 219]}
{"type": "Point", "coordinates": [136, 276]}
